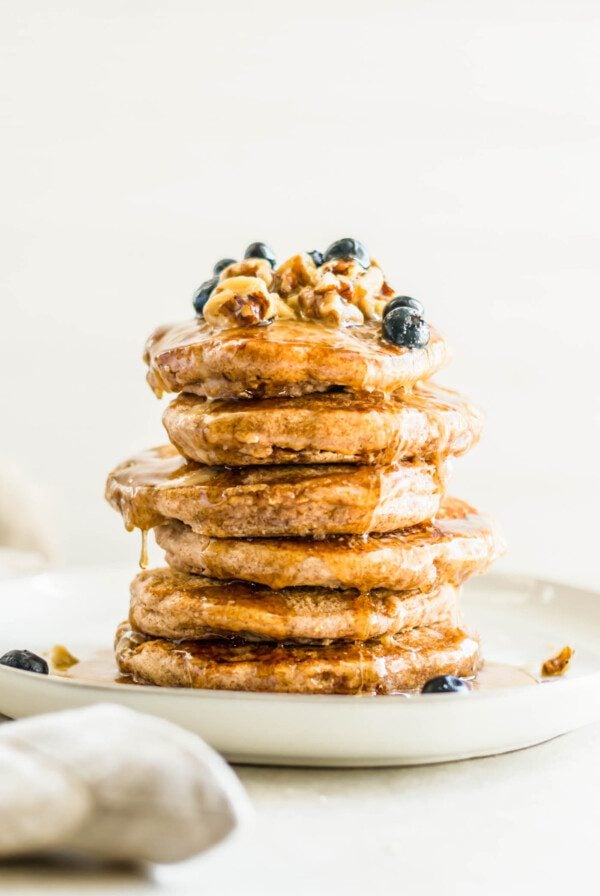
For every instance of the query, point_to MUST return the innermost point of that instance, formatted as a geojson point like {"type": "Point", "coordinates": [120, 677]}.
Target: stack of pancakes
{"type": "Point", "coordinates": [302, 509]}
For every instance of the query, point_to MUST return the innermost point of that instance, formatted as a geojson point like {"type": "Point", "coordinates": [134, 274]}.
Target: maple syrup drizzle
{"type": "Point", "coordinates": [142, 489]}
{"type": "Point", "coordinates": [196, 342]}
{"type": "Point", "coordinates": [144, 550]}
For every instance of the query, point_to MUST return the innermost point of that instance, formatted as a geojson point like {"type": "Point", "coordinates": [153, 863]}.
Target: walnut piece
{"type": "Point", "coordinates": [249, 267]}
{"type": "Point", "coordinates": [346, 267]}
{"type": "Point", "coordinates": [367, 292]}
{"type": "Point", "coordinates": [324, 302]}
{"type": "Point", "coordinates": [341, 292]}
{"type": "Point", "coordinates": [558, 665]}
{"type": "Point", "coordinates": [294, 274]}
{"type": "Point", "coordinates": [240, 302]}
{"type": "Point", "coordinates": [61, 658]}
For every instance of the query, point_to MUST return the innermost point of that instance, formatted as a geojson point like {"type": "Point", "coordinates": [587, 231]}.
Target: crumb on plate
{"type": "Point", "coordinates": [558, 665]}
{"type": "Point", "coordinates": [61, 659]}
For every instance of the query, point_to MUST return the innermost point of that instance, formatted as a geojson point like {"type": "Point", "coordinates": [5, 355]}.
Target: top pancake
{"type": "Point", "coordinates": [285, 357]}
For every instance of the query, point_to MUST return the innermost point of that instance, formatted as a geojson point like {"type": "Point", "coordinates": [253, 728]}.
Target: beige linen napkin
{"type": "Point", "coordinates": [25, 534]}
{"type": "Point", "coordinates": [111, 783]}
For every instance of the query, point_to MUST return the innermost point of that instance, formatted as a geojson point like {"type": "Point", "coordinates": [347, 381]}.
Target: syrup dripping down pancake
{"type": "Point", "coordinates": [168, 604]}
{"type": "Point", "coordinates": [159, 485]}
{"type": "Point", "coordinates": [285, 357]}
{"type": "Point", "coordinates": [457, 544]}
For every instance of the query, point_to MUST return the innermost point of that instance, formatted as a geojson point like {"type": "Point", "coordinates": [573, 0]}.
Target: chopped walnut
{"type": "Point", "coordinates": [363, 288]}
{"type": "Point", "coordinates": [329, 299]}
{"type": "Point", "coordinates": [241, 302]}
{"type": "Point", "coordinates": [249, 267]}
{"type": "Point", "coordinates": [326, 304]}
{"type": "Point", "coordinates": [367, 292]}
{"type": "Point", "coordinates": [284, 311]}
{"type": "Point", "coordinates": [294, 274]}
{"type": "Point", "coordinates": [338, 293]}
{"type": "Point", "coordinates": [347, 267]}
{"type": "Point", "coordinates": [558, 665]}
{"type": "Point", "coordinates": [61, 658]}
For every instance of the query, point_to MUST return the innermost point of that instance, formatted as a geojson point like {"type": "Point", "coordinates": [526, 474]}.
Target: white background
{"type": "Point", "coordinates": [460, 141]}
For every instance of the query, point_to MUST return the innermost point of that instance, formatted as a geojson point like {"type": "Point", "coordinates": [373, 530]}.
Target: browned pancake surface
{"type": "Point", "coordinates": [426, 422]}
{"type": "Point", "coordinates": [400, 663]}
{"type": "Point", "coordinates": [286, 357]}
{"type": "Point", "coordinates": [459, 543]}
{"type": "Point", "coordinates": [159, 485]}
{"type": "Point", "coordinates": [169, 604]}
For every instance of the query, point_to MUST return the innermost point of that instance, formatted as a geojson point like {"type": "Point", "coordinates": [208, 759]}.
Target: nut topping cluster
{"type": "Point", "coordinates": [342, 287]}
{"type": "Point", "coordinates": [339, 292]}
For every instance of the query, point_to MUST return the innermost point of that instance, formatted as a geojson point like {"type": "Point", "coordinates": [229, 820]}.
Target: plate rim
{"type": "Point", "coordinates": [532, 582]}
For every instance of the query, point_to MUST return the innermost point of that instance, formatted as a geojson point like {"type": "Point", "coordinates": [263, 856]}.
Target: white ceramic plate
{"type": "Point", "coordinates": [522, 621]}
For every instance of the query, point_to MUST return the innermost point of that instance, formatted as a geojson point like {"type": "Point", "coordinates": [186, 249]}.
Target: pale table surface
{"type": "Point", "coordinates": [525, 822]}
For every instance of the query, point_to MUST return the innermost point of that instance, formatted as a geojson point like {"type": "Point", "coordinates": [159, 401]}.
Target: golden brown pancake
{"type": "Point", "coordinates": [285, 357]}
{"type": "Point", "coordinates": [170, 604]}
{"type": "Point", "coordinates": [401, 663]}
{"type": "Point", "coordinates": [426, 422]}
{"type": "Point", "coordinates": [459, 543]}
{"type": "Point", "coordinates": [159, 485]}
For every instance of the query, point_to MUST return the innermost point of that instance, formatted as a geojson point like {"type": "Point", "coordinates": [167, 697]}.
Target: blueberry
{"type": "Point", "coordinates": [404, 302]}
{"type": "Point", "coordinates": [202, 294]}
{"type": "Point", "coordinates": [260, 250]}
{"type": "Point", "coordinates": [348, 248]}
{"type": "Point", "coordinates": [445, 684]}
{"type": "Point", "coordinates": [405, 327]}
{"type": "Point", "coordinates": [221, 265]}
{"type": "Point", "coordinates": [25, 659]}
{"type": "Point", "coordinates": [317, 257]}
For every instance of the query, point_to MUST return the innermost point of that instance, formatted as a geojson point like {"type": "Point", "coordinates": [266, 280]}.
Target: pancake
{"type": "Point", "coordinates": [170, 604]}
{"type": "Point", "coordinates": [401, 663]}
{"type": "Point", "coordinates": [459, 543]}
{"type": "Point", "coordinates": [285, 357]}
{"type": "Point", "coordinates": [159, 485]}
{"type": "Point", "coordinates": [427, 421]}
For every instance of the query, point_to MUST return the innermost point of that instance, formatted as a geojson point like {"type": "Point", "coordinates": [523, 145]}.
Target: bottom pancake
{"type": "Point", "coordinates": [170, 604]}
{"type": "Point", "coordinates": [401, 663]}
